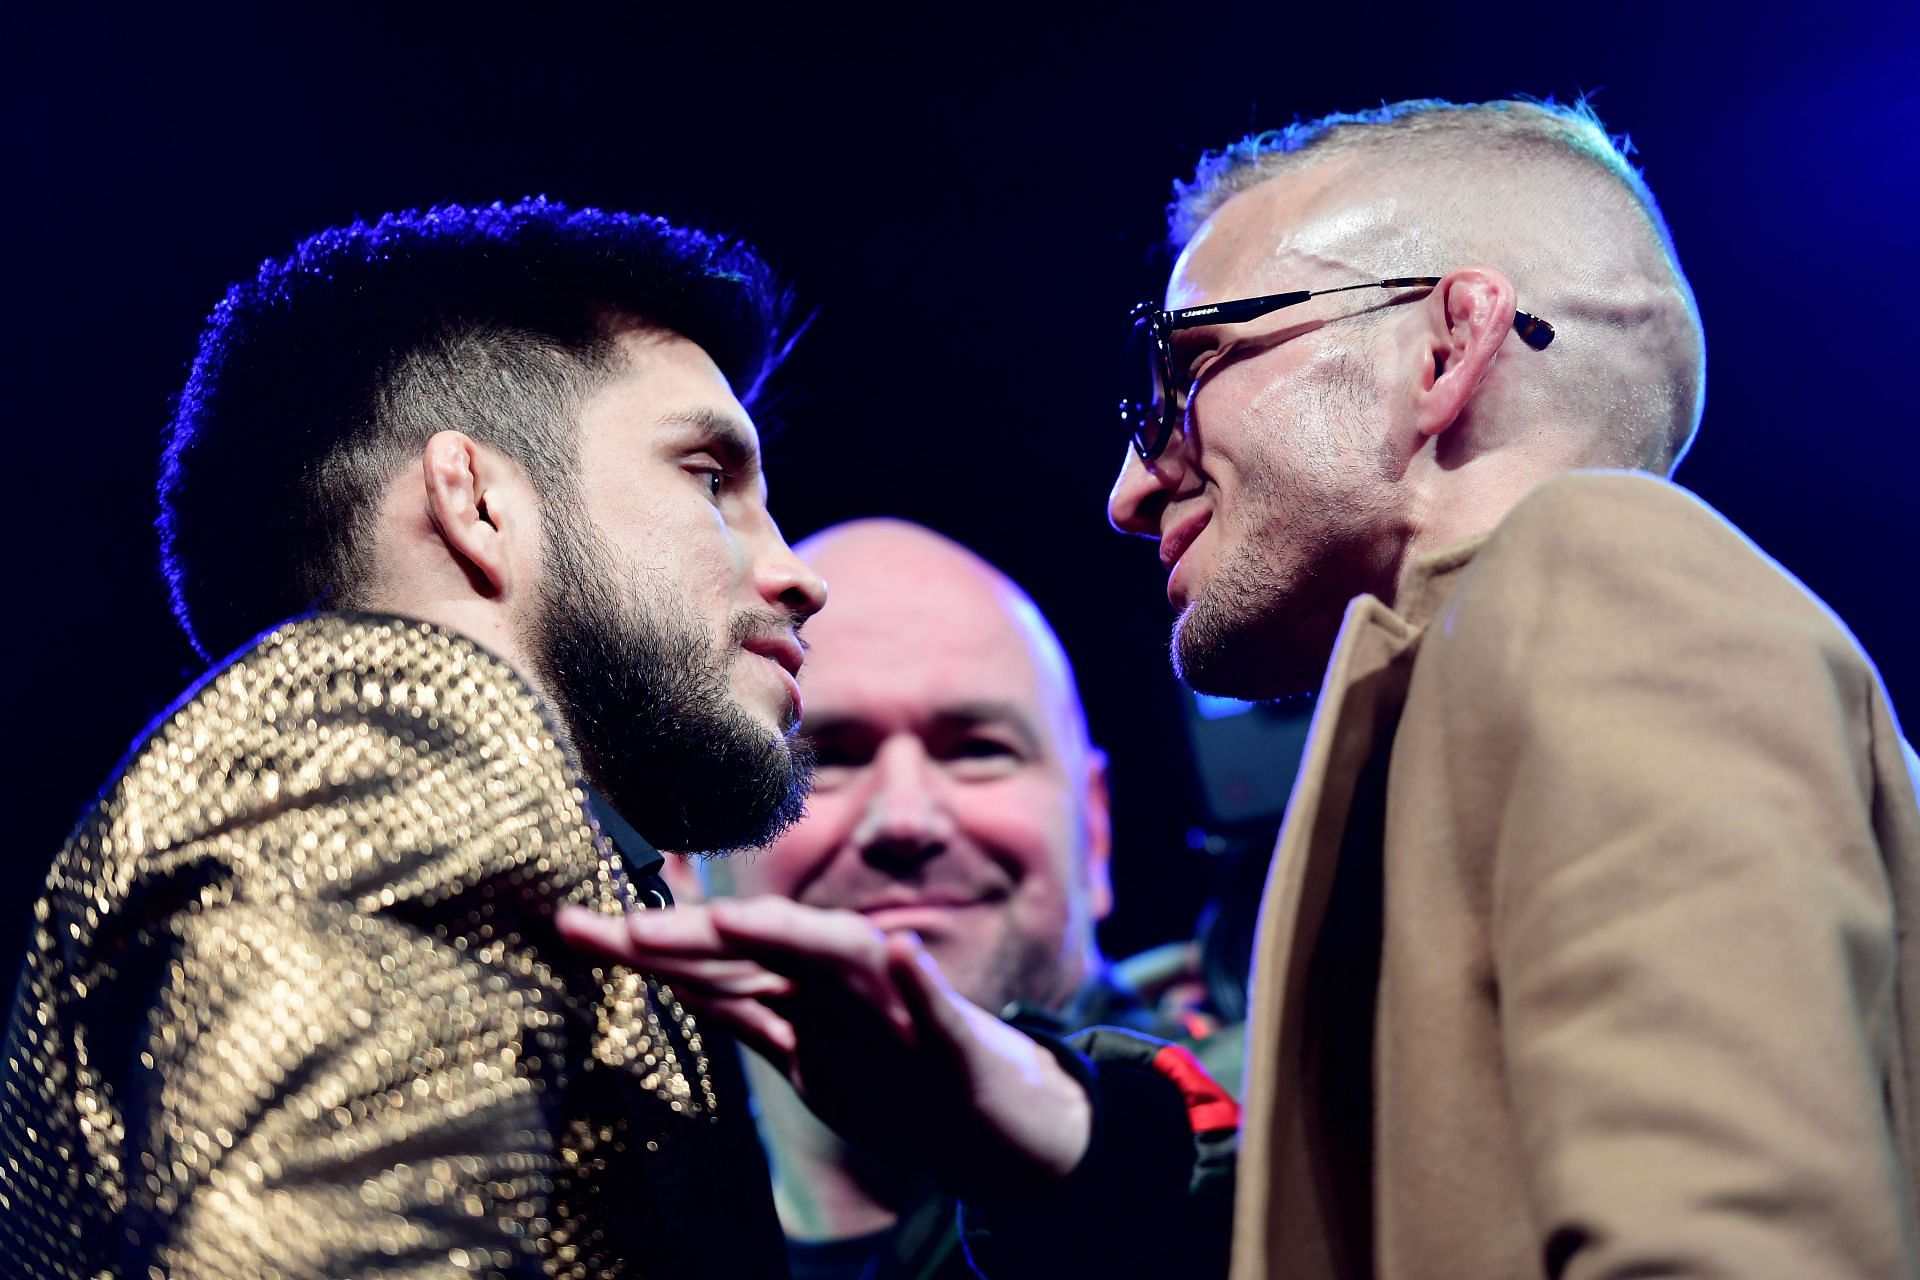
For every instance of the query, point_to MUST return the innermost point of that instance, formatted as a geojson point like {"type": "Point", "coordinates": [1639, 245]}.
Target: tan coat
{"type": "Point", "coordinates": [1589, 948]}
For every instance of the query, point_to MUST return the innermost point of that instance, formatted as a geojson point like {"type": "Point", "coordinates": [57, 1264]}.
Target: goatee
{"type": "Point", "coordinates": [645, 696]}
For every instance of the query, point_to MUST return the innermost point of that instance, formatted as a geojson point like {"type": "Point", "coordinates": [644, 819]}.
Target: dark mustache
{"type": "Point", "coordinates": [755, 623]}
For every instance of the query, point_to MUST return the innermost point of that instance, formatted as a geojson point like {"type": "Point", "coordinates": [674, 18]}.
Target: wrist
{"type": "Point", "coordinates": [1063, 1142]}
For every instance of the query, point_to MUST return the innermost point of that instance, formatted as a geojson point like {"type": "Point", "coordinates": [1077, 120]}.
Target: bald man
{"type": "Point", "coordinates": [916, 967]}
{"type": "Point", "coordinates": [1590, 946]}
{"type": "Point", "coordinates": [957, 796]}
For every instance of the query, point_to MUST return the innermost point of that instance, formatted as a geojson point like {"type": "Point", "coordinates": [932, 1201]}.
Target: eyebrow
{"type": "Point", "coordinates": [960, 715]}
{"type": "Point", "coordinates": [730, 439]}
{"type": "Point", "coordinates": [1002, 714]}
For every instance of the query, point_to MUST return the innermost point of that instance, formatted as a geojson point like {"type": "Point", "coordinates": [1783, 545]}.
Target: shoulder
{"type": "Point", "coordinates": [331, 734]}
{"type": "Point", "coordinates": [1588, 516]}
{"type": "Point", "coordinates": [1613, 549]}
{"type": "Point", "coordinates": [1627, 596]}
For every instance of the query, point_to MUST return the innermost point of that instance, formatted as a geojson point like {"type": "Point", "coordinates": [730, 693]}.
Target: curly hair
{"type": "Point", "coordinates": [316, 380]}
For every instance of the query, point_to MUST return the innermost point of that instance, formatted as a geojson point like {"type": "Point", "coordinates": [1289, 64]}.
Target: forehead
{"type": "Point", "coordinates": [913, 626]}
{"type": "Point", "coordinates": [1329, 222]}
{"type": "Point", "coordinates": [662, 382]}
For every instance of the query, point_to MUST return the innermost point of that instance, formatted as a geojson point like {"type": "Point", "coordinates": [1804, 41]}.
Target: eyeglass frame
{"type": "Point", "coordinates": [1162, 325]}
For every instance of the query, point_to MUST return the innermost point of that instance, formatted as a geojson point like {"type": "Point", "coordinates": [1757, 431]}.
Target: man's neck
{"type": "Point", "coordinates": [1465, 503]}
{"type": "Point", "coordinates": [823, 1189]}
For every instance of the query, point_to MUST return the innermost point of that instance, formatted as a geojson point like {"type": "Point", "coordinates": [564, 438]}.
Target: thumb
{"type": "Point", "coordinates": [931, 1000]}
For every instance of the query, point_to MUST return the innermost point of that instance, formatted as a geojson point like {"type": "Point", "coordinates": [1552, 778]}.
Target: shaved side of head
{"type": "Point", "coordinates": [1539, 191]}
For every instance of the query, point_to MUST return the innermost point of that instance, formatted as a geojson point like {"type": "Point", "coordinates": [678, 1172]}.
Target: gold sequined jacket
{"type": "Point", "coordinates": [294, 1005]}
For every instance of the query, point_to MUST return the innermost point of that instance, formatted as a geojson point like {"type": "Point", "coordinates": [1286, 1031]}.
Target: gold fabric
{"type": "Point", "coordinates": [294, 1005]}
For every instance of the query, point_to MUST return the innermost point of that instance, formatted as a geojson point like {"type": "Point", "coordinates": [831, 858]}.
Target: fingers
{"type": "Point", "coordinates": [943, 1016]}
{"type": "Point", "coordinates": [595, 932]}
{"type": "Point", "coordinates": [677, 951]}
{"type": "Point", "coordinates": [775, 926]}
{"type": "Point", "coordinates": [924, 989]}
{"type": "Point", "coordinates": [720, 979]}
{"type": "Point", "coordinates": [762, 948]}
{"type": "Point", "coordinates": [684, 931]}
{"type": "Point", "coordinates": [828, 953]}
{"type": "Point", "coordinates": [770, 924]}
{"type": "Point", "coordinates": [757, 1027]}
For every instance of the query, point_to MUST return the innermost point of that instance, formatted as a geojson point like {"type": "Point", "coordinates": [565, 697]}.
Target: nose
{"type": "Point", "coordinates": [905, 825]}
{"type": "Point", "coordinates": [1140, 492]}
{"type": "Point", "coordinates": [787, 582]}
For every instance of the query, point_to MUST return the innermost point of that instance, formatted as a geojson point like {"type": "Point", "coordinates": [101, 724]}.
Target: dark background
{"type": "Point", "coordinates": [967, 200]}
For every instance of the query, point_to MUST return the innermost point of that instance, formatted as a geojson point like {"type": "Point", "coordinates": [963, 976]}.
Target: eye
{"type": "Point", "coordinates": [833, 755]}
{"type": "Point", "coordinates": [836, 760]}
{"type": "Point", "coordinates": [712, 478]}
{"type": "Point", "coordinates": [980, 749]}
{"type": "Point", "coordinates": [1203, 360]}
{"type": "Point", "coordinates": [978, 757]}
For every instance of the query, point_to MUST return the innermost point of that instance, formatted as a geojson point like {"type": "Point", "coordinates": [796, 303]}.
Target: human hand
{"type": "Point", "coordinates": [867, 1030]}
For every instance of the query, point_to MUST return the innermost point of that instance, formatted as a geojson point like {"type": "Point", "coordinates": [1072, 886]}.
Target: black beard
{"type": "Point", "coordinates": [647, 705]}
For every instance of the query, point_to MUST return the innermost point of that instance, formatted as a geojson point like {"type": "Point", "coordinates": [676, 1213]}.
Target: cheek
{"type": "Point", "coordinates": [1025, 824]}
{"type": "Point", "coordinates": [683, 538]}
{"type": "Point", "coordinates": [798, 856]}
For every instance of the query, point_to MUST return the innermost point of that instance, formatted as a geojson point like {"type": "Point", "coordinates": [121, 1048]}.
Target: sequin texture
{"type": "Point", "coordinates": [294, 1005]}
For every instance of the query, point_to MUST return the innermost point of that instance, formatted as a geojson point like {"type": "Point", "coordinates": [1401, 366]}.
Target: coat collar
{"type": "Point", "coordinates": [1427, 581]}
{"type": "Point", "coordinates": [1354, 721]}
{"type": "Point", "coordinates": [641, 860]}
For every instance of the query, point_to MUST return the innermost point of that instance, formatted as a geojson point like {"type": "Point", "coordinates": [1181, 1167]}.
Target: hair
{"type": "Point", "coordinates": [1535, 184]}
{"type": "Point", "coordinates": [319, 378]}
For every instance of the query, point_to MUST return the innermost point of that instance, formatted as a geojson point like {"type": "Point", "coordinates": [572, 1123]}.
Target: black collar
{"type": "Point", "coordinates": [641, 860]}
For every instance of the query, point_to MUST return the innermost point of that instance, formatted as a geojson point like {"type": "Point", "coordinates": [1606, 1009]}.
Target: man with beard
{"type": "Point", "coordinates": [1589, 944]}
{"type": "Point", "coordinates": [901, 914]}
{"type": "Point", "coordinates": [296, 1004]}
{"type": "Point", "coordinates": [957, 794]}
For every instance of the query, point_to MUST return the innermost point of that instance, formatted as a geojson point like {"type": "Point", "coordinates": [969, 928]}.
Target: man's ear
{"type": "Point", "coordinates": [482, 507]}
{"type": "Point", "coordinates": [1467, 317]}
{"type": "Point", "coordinates": [1099, 819]}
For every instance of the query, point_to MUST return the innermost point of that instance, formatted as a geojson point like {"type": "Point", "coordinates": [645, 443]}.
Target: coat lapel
{"type": "Point", "coordinates": [1287, 1217]}
{"type": "Point", "coordinates": [1285, 1199]}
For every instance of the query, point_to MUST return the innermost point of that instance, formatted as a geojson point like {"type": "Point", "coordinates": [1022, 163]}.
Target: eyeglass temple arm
{"type": "Point", "coordinates": [1235, 312]}
{"type": "Point", "coordinates": [1533, 331]}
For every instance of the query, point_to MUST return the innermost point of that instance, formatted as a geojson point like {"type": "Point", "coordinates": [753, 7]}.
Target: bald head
{"type": "Point", "coordinates": [956, 793]}
{"type": "Point", "coordinates": [905, 594]}
{"type": "Point", "coordinates": [1539, 192]}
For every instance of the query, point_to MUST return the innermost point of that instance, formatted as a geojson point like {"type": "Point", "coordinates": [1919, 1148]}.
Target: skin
{"type": "Point", "coordinates": [956, 797]}
{"type": "Point", "coordinates": [670, 481]}
{"type": "Point", "coordinates": [669, 476]}
{"type": "Point", "coordinates": [1319, 451]}
{"type": "Point", "coordinates": [955, 792]}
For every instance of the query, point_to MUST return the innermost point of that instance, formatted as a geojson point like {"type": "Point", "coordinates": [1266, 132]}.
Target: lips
{"type": "Point", "coordinates": [783, 649]}
{"type": "Point", "coordinates": [1174, 544]}
{"type": "Point", "coordinates": [1175, 541]}
{"type": "Point", "coordinates": [935, 902]}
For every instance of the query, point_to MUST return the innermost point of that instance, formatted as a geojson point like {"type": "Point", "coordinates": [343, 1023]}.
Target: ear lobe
{"type": "Point", "coordinates": [1468, 316]}
{"type": "Point", "coordinates": [1099, 831]}
{"type": "Point", "coordinates": [455, 473]}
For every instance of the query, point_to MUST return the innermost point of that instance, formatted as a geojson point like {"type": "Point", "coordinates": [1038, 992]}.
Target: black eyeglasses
{"type": "Point", "coordinates": [1147, 425]}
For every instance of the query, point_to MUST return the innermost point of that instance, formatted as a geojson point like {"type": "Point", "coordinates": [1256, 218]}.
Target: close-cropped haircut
{"type": "Point", "coordinates": [319, 378]}
{"type": "Point", "coordinates": [1519, 125]}
{"type": "Point", "coordinates": [1544, 191]}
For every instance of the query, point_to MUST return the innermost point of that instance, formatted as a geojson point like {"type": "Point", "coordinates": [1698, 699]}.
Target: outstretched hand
{"type": "Point", "coordinates": [867, 1030]}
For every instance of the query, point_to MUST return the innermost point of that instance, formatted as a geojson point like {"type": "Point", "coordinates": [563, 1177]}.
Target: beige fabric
{"type": "Point", "coordinates": [1622, 818]}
